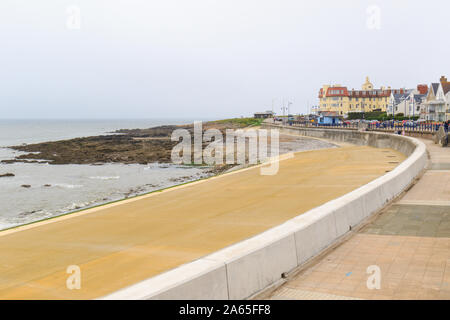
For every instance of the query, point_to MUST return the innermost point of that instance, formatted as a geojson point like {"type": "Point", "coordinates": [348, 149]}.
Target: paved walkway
{"type": "Point", "coordinates": [409, 241]}
{"type": "Point", "coordinates": [123, 243]}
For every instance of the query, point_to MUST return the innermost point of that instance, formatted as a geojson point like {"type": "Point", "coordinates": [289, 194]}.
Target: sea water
{"type": "Point", "coordinates": [58, 189]}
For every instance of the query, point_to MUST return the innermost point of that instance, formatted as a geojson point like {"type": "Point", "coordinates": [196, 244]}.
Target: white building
{"type": "Point", "coordinates": [413, 104]}
{"type": "Point", "coordinates": [447, 108]}
{"type": "Point", "coordinates": [398, 102]}
{"type": "Point", "coordinates": [435, 105]}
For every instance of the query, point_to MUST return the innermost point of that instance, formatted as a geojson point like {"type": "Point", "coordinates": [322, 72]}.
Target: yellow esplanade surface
{"type": "Point", "coordinates": [120, 244]}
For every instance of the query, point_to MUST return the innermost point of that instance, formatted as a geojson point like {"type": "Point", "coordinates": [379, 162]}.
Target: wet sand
{"type": "Point", "coordinates": [120, 244]}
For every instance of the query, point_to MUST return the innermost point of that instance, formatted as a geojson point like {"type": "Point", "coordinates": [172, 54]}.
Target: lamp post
{"type": "Point", "coordinates": [363, 108]}
{"type": "Point", "coordinates": [289, 111]}
{"type": "Point", "coordinates": [393, 109]}
{"type": "Point", "coordinates": [409, 107]}
{"type": "Point", "coordinates": [393, 113]}
{"type": "Point", "coordinates": [284, 109]}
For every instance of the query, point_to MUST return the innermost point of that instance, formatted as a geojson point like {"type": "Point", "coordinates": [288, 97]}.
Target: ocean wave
{"type": "Point", "coordinates": [75, 206]}
{"type": "Point", "coordinates": [105, 178]}
{"type": "Point", "coordinates": [156, 165]}
{"type": "Point", "coordinates": [68, 186]}
{"type": "Point", "coordinates": [24, 218]}
{"type": "Point", "coordinates": [6, 225]}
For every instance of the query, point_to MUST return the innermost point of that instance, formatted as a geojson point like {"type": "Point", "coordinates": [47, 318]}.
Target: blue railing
{"type": "Point", "coordinates": [390, 127]}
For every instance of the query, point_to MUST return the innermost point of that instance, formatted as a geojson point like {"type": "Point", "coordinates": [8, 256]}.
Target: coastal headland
{"type": "Point", "coordinates": [128, 146]}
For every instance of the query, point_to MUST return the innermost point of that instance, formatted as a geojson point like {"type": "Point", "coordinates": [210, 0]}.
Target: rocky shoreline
{"type": "Point", "coordinates": [126, 146]}
{"type": "Point", "coordinates": [115, 166]}
{"type": "Point", "coordinates": [135, 146]}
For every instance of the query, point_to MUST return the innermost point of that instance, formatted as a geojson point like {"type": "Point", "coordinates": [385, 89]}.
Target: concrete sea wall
{"type": "Point", "coordinates": [247, 267]}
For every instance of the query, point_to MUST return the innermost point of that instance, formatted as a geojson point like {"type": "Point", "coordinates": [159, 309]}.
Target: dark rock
{"type": "Point", "coordinates": [9, 161]}
{"type": "Point", "coordinates": [137, 146]}
{"type": "Point", "coordinates": [26, 186]}
{"type": "Point", "coordinates": [7, 175]}
{"type": "Point", "coordinates": [47, 185]}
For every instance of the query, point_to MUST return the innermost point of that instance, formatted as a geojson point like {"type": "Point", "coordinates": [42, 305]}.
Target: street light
{"type": "Point", "coordinates": [284, 109]}
{"type": "Point", "coordinates": [393, 110]}
{"type": "Point", "coordinates": [363, 108]}
{"type": "Point", "coordinates": [289, 111]}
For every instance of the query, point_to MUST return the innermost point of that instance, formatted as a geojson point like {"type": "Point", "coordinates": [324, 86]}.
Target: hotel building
{"type": "Point", "coordinates": [339, 99]}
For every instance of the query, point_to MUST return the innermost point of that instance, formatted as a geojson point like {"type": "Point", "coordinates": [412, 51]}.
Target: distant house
{"type": "Point", "coordinates": [445, 86]}
{"type": "Point", "coordinates": [407, 103]}
{"type": "Point", "coordinates": [263, 115]}
{"type": "Point", "coordinates": [447, 108]}
{"type": "Point", "coordinates": [414, 104]}
{"type": "Point", "coordinates": [429, 109]}
{"type": "Point", "coordinates": [329, 118]}
{"type": "Point", "coordinates": [397, 103]}
{"type": "Point", "coordinates": [435, 105]}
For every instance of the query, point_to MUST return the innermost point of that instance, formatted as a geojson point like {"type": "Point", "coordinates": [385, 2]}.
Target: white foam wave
{"type": "Point", "coordinates": [6, 225]}
{"type": "Point", "coordinates": [105, 178]}
{"type": "Point", "coordinates": [68, 186]}
{"type": "Point", "coordinates": [75, 206]}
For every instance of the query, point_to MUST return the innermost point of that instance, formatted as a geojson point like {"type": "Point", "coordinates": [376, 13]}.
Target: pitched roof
{"type": "Point", "coordinates": [446, 87]}
{"type": "Point", "coordinates": [434, 86]}
{"type": "Point", "coordinates": [419, 97]}
{"type": "Point", "coordinates": [341, 91]}
{"type": "Point", "coordinates": [337, 92]}
{"type": "Point", "coordinates": [376, 93]}
{"type": "Point", "coordinates": [399, 97]}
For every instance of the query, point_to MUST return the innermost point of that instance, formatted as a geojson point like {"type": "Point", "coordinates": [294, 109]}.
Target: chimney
{"type": "Point", "coordinates": [422, 88]}
{"type": "Point", "coordinates": [443, 79]}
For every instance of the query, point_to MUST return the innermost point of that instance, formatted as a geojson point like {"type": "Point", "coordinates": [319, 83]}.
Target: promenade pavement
{"type": "Point", "coordinates": [121, 244]}
{"type": "Point", "coordinates": [409, 241]}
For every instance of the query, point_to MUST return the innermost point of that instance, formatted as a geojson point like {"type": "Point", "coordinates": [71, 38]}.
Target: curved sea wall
{"type": "Point", "coordinates": [245, 268]}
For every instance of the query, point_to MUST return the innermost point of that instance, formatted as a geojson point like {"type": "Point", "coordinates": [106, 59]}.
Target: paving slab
{"type": "Point", "coordinates": [409, 242]}
{"type": "Point", "coordinates": [411, 267]}
{"type": "Point", "coordinates": [413, 220]}
{"type": "Point", "coordinates": [434, 186]}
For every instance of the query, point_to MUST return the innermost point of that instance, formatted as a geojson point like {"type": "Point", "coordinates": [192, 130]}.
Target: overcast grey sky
{"type": "Point", "coordinates": [206, 58]}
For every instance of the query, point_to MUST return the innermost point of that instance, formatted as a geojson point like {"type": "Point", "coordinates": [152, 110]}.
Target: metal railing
{"type": "Point", "coordinates": [388, 127]}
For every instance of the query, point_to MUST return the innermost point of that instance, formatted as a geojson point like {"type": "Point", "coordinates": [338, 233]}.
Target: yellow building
{"type": "Point", "coordinates": [339, 99]}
